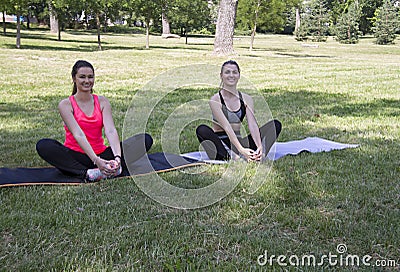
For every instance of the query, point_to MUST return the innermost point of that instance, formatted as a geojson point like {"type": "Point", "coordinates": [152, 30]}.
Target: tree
{"type": "Point", "coordinates": [338, 8]}
{"type": "Point", "coordinates": [248, 16]}
{"type": "Point", "coordinates": [253, 32]}
{"type": "Point", "coordinates": [97, 9]}
{"type": "Point", "coordinates": [59, 10]}
{"type": "Point", "coordinates": [386, 23]}
{"type": "Point", "coordinates": [54, 25]}
{"type": "Point", "coordinates": [166, 30]}
{"type": "Point", "coordinates": [150, 11]}
{"type": "Point", "coordinates": [5, 5]}
{"type": "Point", "coordinates": [314, 21]}
{"type": "Point", "coordinates": [265, 15]}
{"type": "Point", "coordinates": [19, 8]}
{"type": "Point", "coordinates": [223, 43]}
{"type": "Point", "coordinates": [347, 28]}
{"type": "Point", "coordinates": [368, 8]}
{"type": "Point", "coordinates": [189, 14]}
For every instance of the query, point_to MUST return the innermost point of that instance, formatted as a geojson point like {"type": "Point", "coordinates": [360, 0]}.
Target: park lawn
{"type": "Point", "coordinates": [307, 205]}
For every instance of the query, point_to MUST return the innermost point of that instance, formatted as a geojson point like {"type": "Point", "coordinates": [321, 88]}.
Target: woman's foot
{"type": "Point", "coordinates": [93, 175]}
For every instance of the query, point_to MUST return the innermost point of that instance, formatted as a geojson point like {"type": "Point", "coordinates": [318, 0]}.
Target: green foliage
{"type": "Point", "coordinates": [124, 29]}
{"type": "Point", "coordinates": [347, 27]}
{"type": "Point", "coordinates": [368, 8]}
{"type": "Point", "coordinates": [272, 15]}
{"type": "Point", "coordinates": [386, 23]}
{"type": "Point", "coordinates": [315, 21]}
{"type": "Point", "coordinates": [188, 15]}
{"type": "Point", "coordinates": [202, 31]}
{"type": "Point", "coordinates": [149, 11]}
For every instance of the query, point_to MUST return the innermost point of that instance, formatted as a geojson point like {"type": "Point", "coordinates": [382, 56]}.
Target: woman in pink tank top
{"type": "Point", "coordinates": [86, 116]}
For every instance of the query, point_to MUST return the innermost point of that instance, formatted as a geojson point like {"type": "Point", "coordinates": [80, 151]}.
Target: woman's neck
{"type": "Point", "coordinates": [83, 96]}
{"type": "Point", "coordinates": [229, 90]}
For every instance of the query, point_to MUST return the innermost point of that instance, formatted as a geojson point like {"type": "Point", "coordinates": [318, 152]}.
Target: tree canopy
{"type": "Point", "coordinates": [318, 17]}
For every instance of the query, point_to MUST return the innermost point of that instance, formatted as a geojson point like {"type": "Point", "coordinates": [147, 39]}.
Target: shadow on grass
{"type": "Point", "coordinates": [48, 37]}
{"type": "Point", "coordinates": [303, 55]}
{"type": "Point", "coordinates": [82, 47]}
{"type": "Point", "coordinates": [379, 107]}
{"type": "Point", "coordinates": [260, 49]}
{"type": "Point", "coordinates": [183, 46]}
{"type": "Point", "coordinates": [340, 105]}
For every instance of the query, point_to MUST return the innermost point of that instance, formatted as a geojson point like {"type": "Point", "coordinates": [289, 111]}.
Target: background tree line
{"type": "Point", "coordinates": [308, 19]}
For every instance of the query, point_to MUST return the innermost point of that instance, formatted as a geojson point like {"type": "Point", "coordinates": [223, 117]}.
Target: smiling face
{"type": "Point", "coordinates": [84, 79]}
{"type": "Point", "coordinates": [230, 75]}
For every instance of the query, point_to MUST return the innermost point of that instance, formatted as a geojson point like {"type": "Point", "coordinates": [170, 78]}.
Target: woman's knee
{"type": "Point", "coordinates": [148, 141]}
{"type": "Point", "coordinates": [203, 131]}
{"type": "Point", "coordinates": [141, 143]}
{"type": "Point", "coordinates": [44, 146]}
{"type": "Point", "coordinates": [278, 127]}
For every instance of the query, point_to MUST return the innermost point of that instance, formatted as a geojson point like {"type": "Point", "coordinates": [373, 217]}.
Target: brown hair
{"type": "Point", "coordinates": [230, 62]}
{"type": "Point", "coordinates": [75, 68]}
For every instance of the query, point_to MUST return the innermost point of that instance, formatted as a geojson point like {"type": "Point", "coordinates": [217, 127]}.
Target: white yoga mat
{"type": "Point", "coordinates": [280, 149]}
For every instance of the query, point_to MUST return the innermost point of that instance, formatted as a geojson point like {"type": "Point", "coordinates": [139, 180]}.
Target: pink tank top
{"type": "Point", "coordinates": [92, 126]}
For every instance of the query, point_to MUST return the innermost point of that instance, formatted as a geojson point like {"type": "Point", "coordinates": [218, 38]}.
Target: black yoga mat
{"type": "Point", "coordinates": [150, 163]}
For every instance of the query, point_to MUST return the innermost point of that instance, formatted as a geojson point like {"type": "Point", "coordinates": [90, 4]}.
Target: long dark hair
{"type": "Point", "coordinates": [230, 62]}
{"type": "Point", "coordinates": [75, 68]}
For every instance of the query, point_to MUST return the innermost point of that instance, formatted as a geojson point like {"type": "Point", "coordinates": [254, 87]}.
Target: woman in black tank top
{"type": "Point", "coordinates": [229, 107]}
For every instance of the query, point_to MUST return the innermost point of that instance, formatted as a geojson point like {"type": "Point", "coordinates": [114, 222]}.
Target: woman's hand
{"type": "Point", "coordinates": [252, 155]}
{"type": "Point", "coordinates": [257, 155]}
{"type": "Point", "coordinates": [108, 168]}
{"type": "Point", "coordinates": [247, 153]}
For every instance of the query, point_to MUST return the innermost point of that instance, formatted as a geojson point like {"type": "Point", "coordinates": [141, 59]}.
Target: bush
{"type": "Point", "coordinates": [203, 31]}
{"type": "Point", "coordinates": [125, 29]}
{"type": "Point", "coordinates": [240, 32]}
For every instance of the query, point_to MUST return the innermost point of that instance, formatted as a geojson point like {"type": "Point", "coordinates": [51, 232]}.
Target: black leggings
{"type": "Point", "coordinates": [75, 163]}
{"type": "Point", "coordinates": [213, 143]}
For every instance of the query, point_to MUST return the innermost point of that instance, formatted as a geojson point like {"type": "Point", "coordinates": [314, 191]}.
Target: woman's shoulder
{"type": "Point", "coordinates": [66, 102]}
{"type": "Point", "coordinates": [215, 97]}
{"type": "Point", "coordinates": [245, 95]}
{"type": "Point", "coordinates": [247, 98]}
{"type": "Point", "coordinates": [103, 100]}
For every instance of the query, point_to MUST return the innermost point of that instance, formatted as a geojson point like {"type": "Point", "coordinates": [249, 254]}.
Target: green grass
{"type": "Point", "coordinates": [308, 204]}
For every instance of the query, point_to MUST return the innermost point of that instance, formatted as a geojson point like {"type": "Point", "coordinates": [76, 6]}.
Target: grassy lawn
{"type": "Point", "coordinates": [308, 204]}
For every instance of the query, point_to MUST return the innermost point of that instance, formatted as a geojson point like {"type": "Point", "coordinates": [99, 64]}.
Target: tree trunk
{"type": "Point", "coordinates": [98, 30]}
{"type": "Point", "coordinates": [53, 19]}
{"type": "Point", "coordinates": [223, 43]}
{"type": "Point", "coordinates": [147, 35]}
{"type": "Point", "coordinates": [28, 22]}
{"type": "Point", "coordinates": [4, 23]}
{"type": "Point", "coordinates": [253, 33]}
{"type": "Point", "coordinates": [165, 22]}
{"type": "Point", "coordinates": [18, 42]}
{"type": "Point", "coordinates": [297, 25]}
{"type": "Point", "coordinates": [186, 35]}
{"type": "Point", "coordinates": [59, 32]}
